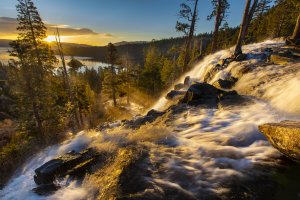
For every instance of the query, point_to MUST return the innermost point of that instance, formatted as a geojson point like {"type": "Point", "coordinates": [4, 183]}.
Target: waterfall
{"type": "Point", "coordinates": [215, 148]}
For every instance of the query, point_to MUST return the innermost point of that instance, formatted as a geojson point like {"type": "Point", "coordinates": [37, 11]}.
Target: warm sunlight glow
{"type": "Point", "coordinates": [50, 38]}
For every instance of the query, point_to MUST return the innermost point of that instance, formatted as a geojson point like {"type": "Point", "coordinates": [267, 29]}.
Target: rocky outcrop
{"type": "Point", "coordinates": [225, 84]}
{"type": "Point", "coordinates": [179, 86]}
{"type": "Point", "coordinates": [240, 57]}
{"type": "Point", "coordinates": [141, 120]}
{"type": "Point", "coordinates": [205, 94]}
{"type": "Point", "coordinates": [284, 136]}
{"type": "Point", "coordinates": [222, 64]}
{"type": "Point", "coordinates": [73, 164]}
{"type": "Point", "coordinates": [174, 94]}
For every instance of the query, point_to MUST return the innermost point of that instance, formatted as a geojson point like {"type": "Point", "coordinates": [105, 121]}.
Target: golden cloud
{"type": "Point", "coordinates": [8, 27]}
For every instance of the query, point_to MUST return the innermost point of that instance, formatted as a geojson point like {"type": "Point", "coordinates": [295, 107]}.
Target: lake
{"type": "Point", "coordinates": [86, 61]}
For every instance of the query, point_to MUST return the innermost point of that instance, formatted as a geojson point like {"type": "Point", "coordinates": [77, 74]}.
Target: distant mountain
{"type": "Point", "coordinates": [4, 42]}
{"type": "Point", "coordinates": [52, 44]}
{"type": "Point", "coordinates": [135, 50]}
{"type": "Point", "coordinates": [125, 43]}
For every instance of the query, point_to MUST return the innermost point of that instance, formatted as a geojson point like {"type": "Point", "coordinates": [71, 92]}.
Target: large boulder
{"type": "Point", "coordinates": [205, 94]}
{"type": "Point", "coordinates": [73, 164]}
{"type": "Point", "coordinates": [284, 136]}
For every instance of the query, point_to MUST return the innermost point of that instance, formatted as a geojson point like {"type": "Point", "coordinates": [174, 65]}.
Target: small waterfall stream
{"type": "Point", "coordinates": [216, 148]}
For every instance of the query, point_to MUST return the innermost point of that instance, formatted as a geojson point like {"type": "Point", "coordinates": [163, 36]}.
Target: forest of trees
{"type": "Point", "coordinates": [47, 101]}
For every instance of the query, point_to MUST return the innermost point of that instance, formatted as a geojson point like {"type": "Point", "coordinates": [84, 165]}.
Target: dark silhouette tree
{"type": "Point", "coordinates": [110, 79]}
{"type": "Point", "coordinates": [262, 7]}
{"type": "Point", "coordinates": [188, 28]}
{"type": "Point", "coordinates": [67, 83]}
{"type": "Point", "coordinates": [219, 12]}
{"type": "Point", "coordinates": [34, 65]}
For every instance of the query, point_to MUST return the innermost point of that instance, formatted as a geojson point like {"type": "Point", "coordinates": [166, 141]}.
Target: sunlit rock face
{"type": "Point", "coordinates": [285, 136]}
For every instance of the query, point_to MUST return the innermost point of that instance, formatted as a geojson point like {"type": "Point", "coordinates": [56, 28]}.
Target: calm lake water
{"type": "Point", "coordinates": [86, 61]}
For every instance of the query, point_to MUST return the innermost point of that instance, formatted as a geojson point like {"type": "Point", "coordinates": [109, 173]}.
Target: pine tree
{"type": "Point", "coordinates": [247, 17]}
{"type": "Point", "coordinates": [34, 66]}
{"type": "Point", "coordinates": [219, 12]}
{"type": "Point", "coordinates": [262, 7]}
{"type": "Point", "coordinates": [151, 77]}
{"type": "Point", "coordinates": [188, 28]}
{"type": "Point", "coordinates": [110, 81]}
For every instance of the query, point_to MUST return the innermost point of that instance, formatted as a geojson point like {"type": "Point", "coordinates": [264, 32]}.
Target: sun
{"type": "Point", "coordinates": [50, 38]}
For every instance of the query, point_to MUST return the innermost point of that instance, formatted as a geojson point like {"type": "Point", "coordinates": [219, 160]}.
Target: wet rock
{"type": "Point", "coordinates": [141, 120]}
{"type": "Point", "coordinates": [280, 60]}
{"type": "Point", "coordinates": [284, 136]}
{"type": "Point", "coordinates": [235, 100]}
{"type": "Point", "coordinates": [210, 75]}
{"type": "Point", "coordinates": [187, 81]}
{"type": "Point", "coordinates": [240, 57]}
{"type": "Point", "coordinates": [126, 176]}
{"type": "Point", "coordinates": [225, 84]}
{"type": "Point", "coordinates": [292, 42]}
{"type": "Point", "coordinates": [72, 163]}
{"type": "Point", "coordinates": [179, 86]}
{"type": "Point", "coordinates": [205, 94]}
{"type": "Point", "coordinates": [174, 94]}
{"type": "Point", "coordinates": [46, 189]}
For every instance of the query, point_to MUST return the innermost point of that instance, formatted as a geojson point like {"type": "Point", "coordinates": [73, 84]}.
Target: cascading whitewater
{"type": "Point", "coordinates": [215, 150]}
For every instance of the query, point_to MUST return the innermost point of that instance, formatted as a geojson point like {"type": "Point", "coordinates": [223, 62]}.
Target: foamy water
{"type": "Point", "coordinates": [215, 148]}
{"type": "Point", "coordinates": [22, 183]}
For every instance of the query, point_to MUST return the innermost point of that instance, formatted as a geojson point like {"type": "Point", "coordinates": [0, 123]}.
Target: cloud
{"type": "Point", "coordinates": [8, 27]}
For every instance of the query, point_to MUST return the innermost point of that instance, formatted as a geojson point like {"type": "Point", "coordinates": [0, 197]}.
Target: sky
{"type": "Point", "coordinates": [98, 22]}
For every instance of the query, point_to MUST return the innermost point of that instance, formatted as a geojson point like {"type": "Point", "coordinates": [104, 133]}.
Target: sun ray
{"type": "Point", "coordinates": [50, 38]}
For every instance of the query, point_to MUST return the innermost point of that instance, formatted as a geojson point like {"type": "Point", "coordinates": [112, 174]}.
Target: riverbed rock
{"type": "Point", "coordinates": [46, 189]}
{"type": "Point", "coordinates": [225, 84]}
{"type": "Point", "coordinates": [73, 164]}
{"type": "Point", "coordinates": [284, 136]}
{"type": "Point", "coordinates": [179, 86]}
{"type": "Point", "coordinates": [280, 60]}
{"type": "Point", "coordinates": [240, 57]}
{"type": "Point", "coordinates": [205, 94]}
{"type": "Point", "coordinates": [141, 120]}
{"type": "Point", "coordinates": [187, 81]}
{"type": "Point", "coordinates": [174, 94]}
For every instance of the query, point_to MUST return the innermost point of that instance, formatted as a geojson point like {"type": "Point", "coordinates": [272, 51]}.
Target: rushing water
{"type": "Point", "coordinates": [216, 149]}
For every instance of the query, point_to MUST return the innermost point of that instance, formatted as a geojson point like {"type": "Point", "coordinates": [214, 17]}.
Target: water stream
{"type": "Point", "coordinates": [216, 149]}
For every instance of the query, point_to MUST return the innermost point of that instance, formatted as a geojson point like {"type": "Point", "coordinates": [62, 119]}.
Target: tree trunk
{"type": "Point", "coordinates": [39, 72]}
{"type": "Point", "coordinates": [190, 37]}
{"type": "Point", "coordinates": [66, 79]}
{"type": "Point", "coordinates": [250, 15]}
{"type": "Point", "coordinates": [38, 119]}
{"type": "Point", "coordinates": [201, 46]}
{"type": "Point", "coordinates": [238, 47]}
{"type": "Point", "coordinates": [216, 30]}
{"type": "Point", "coordinates": [113, 90]}
{"type": "Point", "coordinates": [296, 33]}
